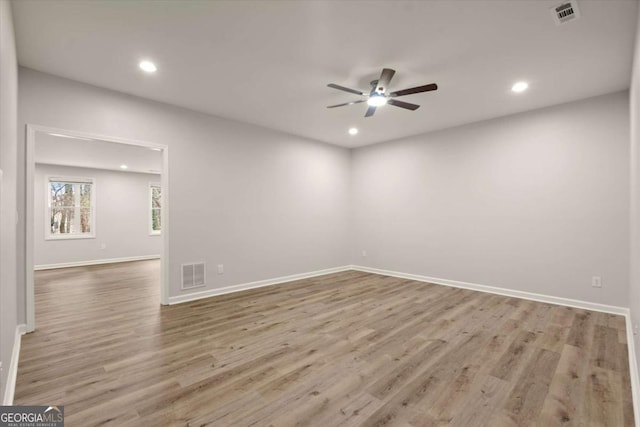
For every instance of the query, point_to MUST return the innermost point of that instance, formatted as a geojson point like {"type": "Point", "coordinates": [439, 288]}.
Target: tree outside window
{"type": "Point", "coordinates": [156, 208]}
{"type": "Point", "coordinates": [70, 208]}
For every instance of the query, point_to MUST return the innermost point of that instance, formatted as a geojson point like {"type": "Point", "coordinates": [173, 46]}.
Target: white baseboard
{"type": "Point", "coordinates": [500, 291]}
{"type": "Point", "coordinates": [253, 285]}
{"type": "Point", "coordinates": [94, 262]}
{"type": "Point", "coordinates": [12, 374]}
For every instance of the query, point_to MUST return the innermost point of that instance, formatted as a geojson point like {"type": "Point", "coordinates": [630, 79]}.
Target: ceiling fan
{"type": "Point", "coordinates": [380, 95]}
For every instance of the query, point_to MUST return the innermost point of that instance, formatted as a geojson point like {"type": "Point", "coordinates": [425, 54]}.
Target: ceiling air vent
{"type": "Point", "coordinates": [565, 12]}
{"type": "Point", "coordinates": [192, 275]}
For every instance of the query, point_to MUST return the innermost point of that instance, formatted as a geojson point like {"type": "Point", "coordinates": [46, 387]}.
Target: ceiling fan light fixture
{"type": "Point", "coordinates": [377, 101]}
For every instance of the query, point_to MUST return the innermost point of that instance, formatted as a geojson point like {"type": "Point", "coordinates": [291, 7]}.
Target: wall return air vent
{"type": "Point", "coordinates": [565, 12]}
{"type": "Point", "coordinates": [193, 275]}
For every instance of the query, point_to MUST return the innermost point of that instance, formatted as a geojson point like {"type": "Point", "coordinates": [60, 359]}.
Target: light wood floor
{"type": "Point", "coordinates": [343, 349]}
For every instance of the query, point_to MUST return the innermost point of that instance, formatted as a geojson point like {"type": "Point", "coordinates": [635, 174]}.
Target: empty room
{"type": "Point", "coordinates": [319, 213]}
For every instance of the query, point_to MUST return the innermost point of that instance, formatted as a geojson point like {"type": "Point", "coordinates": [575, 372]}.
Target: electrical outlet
{"type": "Point", "coordinates": [596, 281]}
{"type": "Point", "coordinates": [636, 328]}
{"type": "Point", "coordinates": [364, 253]}
{"type": "Point", "coordinates": [220, 268]}
{"type": "Point", "coordinates": [103, 246]}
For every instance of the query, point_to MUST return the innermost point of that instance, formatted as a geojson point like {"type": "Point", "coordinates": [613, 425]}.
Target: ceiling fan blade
{"type": "Point", "coordinates": [403, 104]}
{"type": "Point", "coordinates": [347, 103]}
{"type": "Point", "coordinates": [385, 78]}
{"type": "Point", "coordinates": [346, 89]}
{"type": "Point", "coordinates": [370, 111]}
{"type": "Point", "coordinates": [418, 89]}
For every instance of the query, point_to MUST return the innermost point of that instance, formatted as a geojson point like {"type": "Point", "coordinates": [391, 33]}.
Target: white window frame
{"type": "Point", "coordinates": [153, 232]}
{"type": "Point", "coordinates": [47, 208]}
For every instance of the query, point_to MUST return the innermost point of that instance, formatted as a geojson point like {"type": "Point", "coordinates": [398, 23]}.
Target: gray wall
{"type": "Point", "coordinates": [8, 207]}
{"type": "Point", "coordinates": [263, 203]}
{"type": "Point", "coordinates": [535, 202]}
{"type": "Point", "coordinates": [634, 289]}
{"type": "Point", "coordinates": [122, 217]}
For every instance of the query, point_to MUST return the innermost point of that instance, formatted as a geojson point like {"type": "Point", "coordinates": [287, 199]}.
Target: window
{"type": "Point", "coordinates": [70, 208]}
{"type": "Point", "coordinates": [155, 196]}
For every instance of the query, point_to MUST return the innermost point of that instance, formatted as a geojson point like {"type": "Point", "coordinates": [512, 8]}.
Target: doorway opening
{"type": "Point", "coordinates": [93, 199]}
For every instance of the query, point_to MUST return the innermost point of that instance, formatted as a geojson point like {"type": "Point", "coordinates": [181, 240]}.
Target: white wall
{"type": "Point", "coordinates": [263, 203]}
{"type": "Point", "coordinates": [122, 218]}
{"type": "Point", "coordinates": [534, 202]}
{"type": "Point", "coordinates": [634, 289]}
{"type": "Point", "coordinates": [8, 207]}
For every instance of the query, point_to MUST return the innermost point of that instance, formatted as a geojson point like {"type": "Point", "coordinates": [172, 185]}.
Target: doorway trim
{"type": "Point", "coordinates": [31, 130]}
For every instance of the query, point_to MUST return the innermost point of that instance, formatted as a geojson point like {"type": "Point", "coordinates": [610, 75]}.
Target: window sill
{"type": "Point", "coordinates": [70, 237]}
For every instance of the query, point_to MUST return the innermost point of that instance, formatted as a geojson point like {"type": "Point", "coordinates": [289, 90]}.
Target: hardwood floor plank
{"type": "Point", "coordinates": [506, 368]}
{"type": "Point", "coordinates": [396, 379]}
{"type": "Point", "coordinates": [605, 402]}
{"type": "Point", "coordinates": [525, 401]}
{"type": "Point", "coordinates": [562, 405]}
{"type": "Point", "coordinates": [581, 332]}
{"type": "Point", "coordinates": [486, 396]}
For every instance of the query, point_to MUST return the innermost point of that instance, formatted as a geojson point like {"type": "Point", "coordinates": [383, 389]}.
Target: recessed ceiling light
{"type": "Point", "coordinates": [353, 131]}
{"type": "Point", "coordinates": [124, 167]}
{"type": "Point", "coordinates": [519, 87]}
{"type": "Point", "coordinates": [148, 66]}
{"type": "Point", "coordinates": [377, 101]}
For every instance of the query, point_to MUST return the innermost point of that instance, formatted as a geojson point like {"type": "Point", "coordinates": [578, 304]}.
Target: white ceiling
{"type": "Point", "coordinates": [268, 62]}
{"type": "Point", "coordinates": [95, 154]}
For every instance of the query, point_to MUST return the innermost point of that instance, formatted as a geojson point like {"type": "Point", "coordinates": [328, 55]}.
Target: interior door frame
{"type": "Point", "coordinates": [31, 130]}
